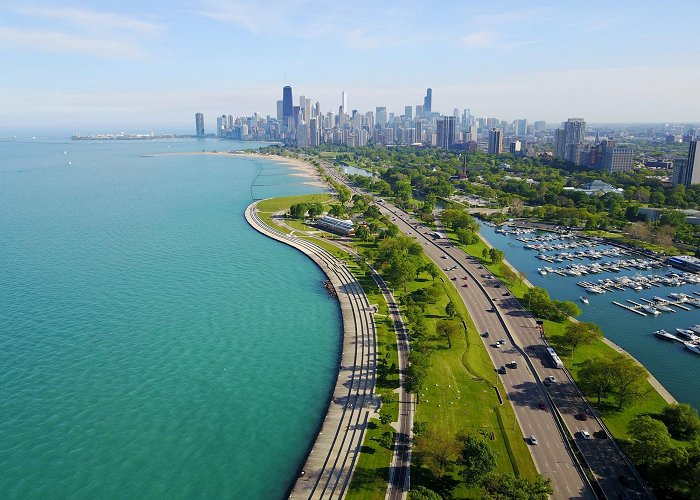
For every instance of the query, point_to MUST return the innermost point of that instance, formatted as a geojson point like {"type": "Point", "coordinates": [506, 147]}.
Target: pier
{"type": "Point", "coordinates": [660, 305]}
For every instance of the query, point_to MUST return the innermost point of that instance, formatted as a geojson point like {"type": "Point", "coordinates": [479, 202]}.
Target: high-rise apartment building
{"type": "Point", "coordinates": [199, 124]}
{"type": "Point", "coordinates": [521, 127]}
{"type": "Point", "coordinates": [344, 102]}
{"type": "Point", "coordinates": [381, 116]}
{"type": "Point", "coordinates": [515, 147]}
{"type": "Point", "coordinates": [280, 111]}
{"type": "Point", "coordinates": [616, 159]}
{"type": "Point", "coordinates": [445, 132]}
{"type": "Point", "coordinates": [495, 141]}
{"type": "Point", "coordinates": [687, 172]}
{"type": "Point", "coordinates": [408, 112]}
{"type": "Point", "coordinates": [428, 102]}
{"type": "Point", "coordinates": [220, 125]}
{"type": "Point", "coordinates": [287, 104]}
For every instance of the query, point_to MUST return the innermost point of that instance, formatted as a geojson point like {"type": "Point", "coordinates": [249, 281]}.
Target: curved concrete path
{"type": "Point", "coordinates": [331, 462]}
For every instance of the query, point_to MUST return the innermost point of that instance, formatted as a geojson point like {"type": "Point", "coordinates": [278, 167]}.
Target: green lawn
{"type": "Point", "coordinates": [283, 203]}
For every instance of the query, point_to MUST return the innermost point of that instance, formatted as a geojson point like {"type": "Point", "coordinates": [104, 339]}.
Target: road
{"type": "Point", "coordinates": [495, 311]}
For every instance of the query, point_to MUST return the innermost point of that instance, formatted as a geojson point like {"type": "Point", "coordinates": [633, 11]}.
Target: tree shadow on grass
{"type": "Point", "coordinates": [442, 485]}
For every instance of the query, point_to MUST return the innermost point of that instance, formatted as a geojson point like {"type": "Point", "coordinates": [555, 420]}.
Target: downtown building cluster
{"type": "Point", "coordinates": [303, 122]}
{"type": "Point", "coordinates": [570, 144]}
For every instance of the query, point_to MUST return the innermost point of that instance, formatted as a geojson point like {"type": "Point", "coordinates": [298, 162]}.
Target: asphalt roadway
{"type": "Point", "coordinates": [495, 311]}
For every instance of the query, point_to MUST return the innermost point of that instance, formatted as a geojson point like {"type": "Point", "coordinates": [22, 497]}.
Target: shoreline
{"type": "Point", "coordinates": [301, 168]}
{"type": "Point", "coordinates": [331, 458]}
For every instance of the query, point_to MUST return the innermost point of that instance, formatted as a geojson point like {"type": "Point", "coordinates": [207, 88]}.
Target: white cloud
{"type": "Point", "coordinates": [478, 39]}
{"type": "Point", "coordinates": [92, 20]}
{"type": "Point", "coordinates": [54, 41]}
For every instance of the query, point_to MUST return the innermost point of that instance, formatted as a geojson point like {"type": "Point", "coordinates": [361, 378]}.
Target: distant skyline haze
{"type": "Point", "coordinates": [94, 66]}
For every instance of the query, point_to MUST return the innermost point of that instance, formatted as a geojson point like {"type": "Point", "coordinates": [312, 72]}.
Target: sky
{"type": "Point", "coordinates": [96, 66]}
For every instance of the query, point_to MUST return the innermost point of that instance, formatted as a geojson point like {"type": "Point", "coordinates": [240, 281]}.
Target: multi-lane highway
{"type": "Point", "coordinates": [552, 413]}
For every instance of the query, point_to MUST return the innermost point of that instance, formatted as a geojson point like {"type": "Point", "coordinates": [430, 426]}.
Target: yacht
{"type": "Point", "coordinates": [686, 334]}
{"type": "Point", "coordinates": [664, 307]}
{"type": "Point", "coordinates": [677, 296]}
{"type": "Point", "coordinates": [665, 335]}
{"type": "Point", "coordinates": [584, 299]}
{"type": "Point", "coordinates": [695, 328]}
{"type": "Point", "coordinates": [651, 310]}
{"type": "Point", "coordinates": [692, 347]}
{"type": "Point", "coordinates": [542, 271]}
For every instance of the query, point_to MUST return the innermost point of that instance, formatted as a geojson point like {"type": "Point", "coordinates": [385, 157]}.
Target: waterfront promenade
{"type": "Point", "coordinates": [331, 461]}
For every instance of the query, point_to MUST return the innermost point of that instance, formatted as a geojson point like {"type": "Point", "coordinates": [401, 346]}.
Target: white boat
{"type": "Point", "coordinates": [695, 328]}
{"type": "Point", "coordinates": [677, 296]}
{"type": "Point", "coordinates": [584, 300]}
{"type": "Point", "coordinates": [663, 307]}
{"type": "Point", "coordinates": [542, 271]}
{"type": "Point", "coordinates": [686, 334]}
{"type": "Point", "coordinates": [665, 335]}
{"type": "Point", "coordinates": [651, 310]}
{"type": "Point", "coordinates": [692, 347]}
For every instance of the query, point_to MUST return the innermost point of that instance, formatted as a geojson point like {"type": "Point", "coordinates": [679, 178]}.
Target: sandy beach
{"type": "Point", "coordinates": [302, 168]}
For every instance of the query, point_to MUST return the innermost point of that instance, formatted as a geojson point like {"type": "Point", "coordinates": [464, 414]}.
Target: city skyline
{"type": "Point", "coordinates": [137, 65]}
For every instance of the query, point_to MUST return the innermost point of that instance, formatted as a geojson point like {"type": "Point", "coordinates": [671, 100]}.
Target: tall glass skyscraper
{"type": "Point", "coordinates": [199, 124]}
{"type": "Point", "coordinates": [428, 102]}
{"type": "Point", "coordinates": [287, 103]}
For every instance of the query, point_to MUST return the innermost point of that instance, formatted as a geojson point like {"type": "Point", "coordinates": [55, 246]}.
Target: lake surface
{"type": "Point", "coordinates": [153, 345]}
{"type": "Point", "coordinates": [673, 365]}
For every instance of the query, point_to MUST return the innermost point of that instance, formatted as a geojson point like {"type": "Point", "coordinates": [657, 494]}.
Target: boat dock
{"type": "Point", "coordinates": [659, 305]}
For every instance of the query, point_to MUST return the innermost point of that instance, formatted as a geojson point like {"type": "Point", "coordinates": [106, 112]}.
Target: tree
{"type": "Point", "coordinates": [503, 487]}
{"type": "Point", "coordinates": [596, 376]}
{"type": "Point", "coordinates": [336, 210]}
{"type": "Point", "coordinates": [384, 416]}
{"type": "Point", "coordinates": [423, 493]}
{"type": "Point", "coordinates": [437, 450]}
{"type": "Point", "coordinates": [465, 236]}
{"type": "Point", "coordinates": [362, 232]}
{"type": "Point", "coordinates": [681, 420]}
{"type": "Point", "coordinates": [416, 373]}
{"type": "Point", "coordinates": [576, 334]}
{"type": "Point", "coordinates": [565, 308]}
{"type": "Point", "coordinates": [315, 209]}
{"type": "Point", "coordinates": [496, 255]}
{"type": "Point", "coordinates": [432, 270]}
{"type": "Point", "coordinates": [629, 381]}
{"type": "Point", "coordinates": [485, 253]}
{"type": "Point", "coordinates": [651, 443]}
{"type": "Point", "coordinates": [450, 309]}
{"type": "Point", "coordinates": [447, 329]}
{"type": "Point", "coordinates": [477, 458]}
{"type": "Point", "coordinates": [298, 210]}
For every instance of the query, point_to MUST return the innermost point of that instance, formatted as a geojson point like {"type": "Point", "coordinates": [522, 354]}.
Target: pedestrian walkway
{"type": "Point", "coordinates": [332, 459]}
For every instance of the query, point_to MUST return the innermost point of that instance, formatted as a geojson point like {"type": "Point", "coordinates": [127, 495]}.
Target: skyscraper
{"type": "Point", "coordinates": [521, 127]}
{"type": "Point", "coordinates": [495, 141]}
{"type": "Point", "coordinates": [344, 102]}
{"type": "Point", "coordinates": [687, 172]}
{"type": "Point", "coordinates": [199, 124]}
{"type": "Point", "coordinates": [445, 134]}
{"type": "Point", "coordinates": [428, 102]}
{"type": "Point", "coordinates": [287, 103]}
{"type": "Point", "coordinates": [408, 112]}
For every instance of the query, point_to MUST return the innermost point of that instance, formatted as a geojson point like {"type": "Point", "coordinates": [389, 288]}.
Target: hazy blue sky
{"type": "Point", "coordinates": [134, 65]}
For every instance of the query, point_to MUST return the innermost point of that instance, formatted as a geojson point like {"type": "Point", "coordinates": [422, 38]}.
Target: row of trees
{"type": "Point", "coordinates": [476, 461]}
{"type": "Point", "coordinates": [538, 301]}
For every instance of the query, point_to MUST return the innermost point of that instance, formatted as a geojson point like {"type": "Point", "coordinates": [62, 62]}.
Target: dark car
{"type": "Point", "coordinates": [541, 405]}
{"type": "Point", "coordinates": [485, 334]}
{"type": "Point", "coordinates": [581, 416]}
{"type": "Point", "coordinates": [502, 370]}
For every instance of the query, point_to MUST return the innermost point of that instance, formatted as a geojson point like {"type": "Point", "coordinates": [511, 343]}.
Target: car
{"type": "Point", "coordinates": [541, 405]}
{"type": "Point", "coordinates": [512, 365]}
{"type": "Point", "coordinates": [453, 268]}
{"type": "Point", "coordinates": [585, 434]}
{"type": "Point", "coordinates": [502, 370]}
{"type": "Point", "coordinates": [502, 342]}
{"type": "Point", "coordinates": [443, 256]}
{"type": "Point", "coordinates": [485, 334]}
{"type": "Point", "coordinates": [465, 286]}
{"type": "Point", "coordinates": [497, 285]}
{"type": "Point", "coordinates": [497, 345]}
{"type": "Point", "coordinates": [550, 380]}
{"type": "Point", "coordinates": [581, 416]}
{"type": "Point", "coordinates": [532, 439]}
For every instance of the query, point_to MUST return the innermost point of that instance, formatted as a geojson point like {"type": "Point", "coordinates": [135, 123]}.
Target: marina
{"type": "Point", "coordinates": [608, 284]}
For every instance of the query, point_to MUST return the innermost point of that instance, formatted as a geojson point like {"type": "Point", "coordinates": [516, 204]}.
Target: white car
{"type": "Point", "coordinates": [585, 434]}
{"type": "Point", "coordinates": [532, 439]}
{"type": "Point", "coordinates": [550, 380]}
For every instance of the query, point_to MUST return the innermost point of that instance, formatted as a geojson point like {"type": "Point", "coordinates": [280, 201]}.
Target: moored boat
{"type": "Point", "coordinates": [584, 299]}
{"type": "Point", "coordinates": [692, 347]}
{"type": "Point", "coordinates": [665, 335]}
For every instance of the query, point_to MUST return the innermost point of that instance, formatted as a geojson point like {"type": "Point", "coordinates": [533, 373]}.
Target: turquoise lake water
{"type": "Point", "coordinates": [152, 345]}
{"type": "Point", "coordinates": [673, 365]}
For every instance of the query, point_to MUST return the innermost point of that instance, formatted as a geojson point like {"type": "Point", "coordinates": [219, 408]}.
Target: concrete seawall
{"type": "Point", "coordinates": [331, 461]}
